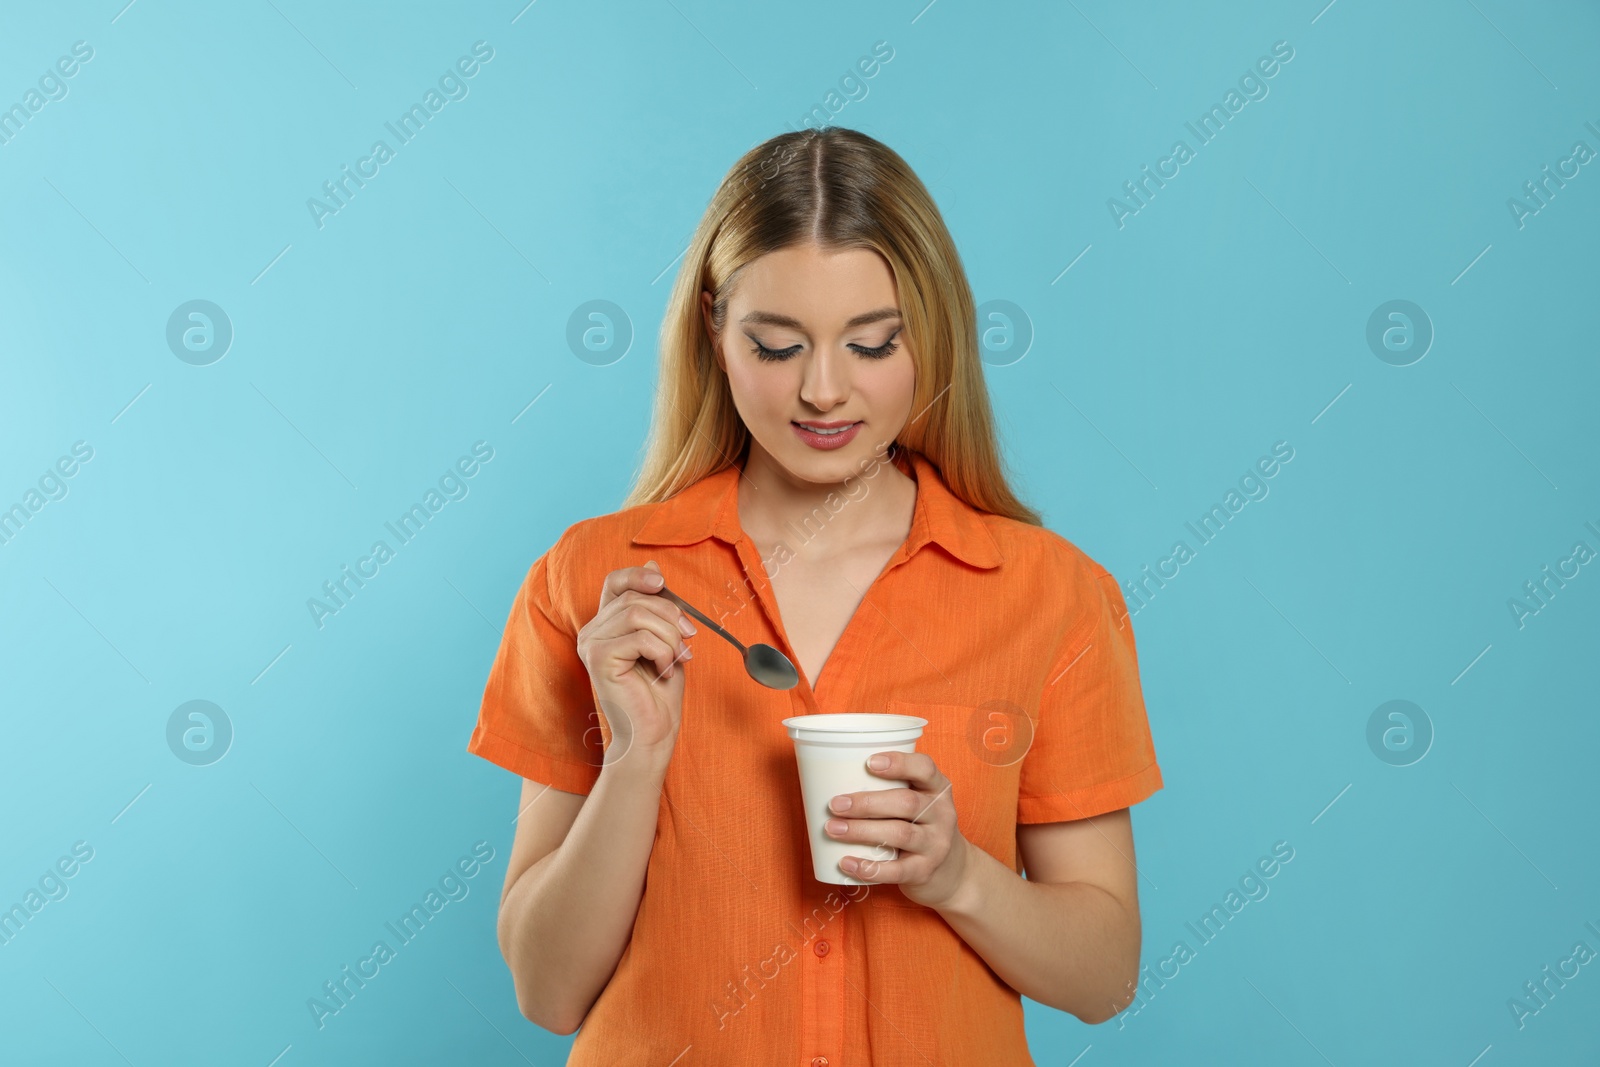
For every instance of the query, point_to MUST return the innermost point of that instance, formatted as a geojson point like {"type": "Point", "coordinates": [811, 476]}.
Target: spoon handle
{"type": "Point", "coordinates": [692, 610]}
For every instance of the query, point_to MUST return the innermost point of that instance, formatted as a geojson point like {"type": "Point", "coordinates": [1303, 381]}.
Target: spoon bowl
{"type": "Point", "coordinates": [770, 667]}
{"type": "Point", "coordinates": [762, 662]}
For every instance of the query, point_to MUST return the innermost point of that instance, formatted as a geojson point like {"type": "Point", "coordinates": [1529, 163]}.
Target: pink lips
{"type": "Point", "coordinates": [825, 442]}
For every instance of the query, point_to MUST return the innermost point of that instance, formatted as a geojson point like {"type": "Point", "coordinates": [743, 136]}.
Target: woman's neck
{"type": "Point", "coordinates": [822, 519]}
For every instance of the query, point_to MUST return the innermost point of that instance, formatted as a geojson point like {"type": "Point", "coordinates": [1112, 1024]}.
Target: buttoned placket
{"type": "Point", "coordinates": [822, 977]}
{"type": "Point", "coordinates": [822, 994]}
{"type": "Point", "coordinates": [822, 961]}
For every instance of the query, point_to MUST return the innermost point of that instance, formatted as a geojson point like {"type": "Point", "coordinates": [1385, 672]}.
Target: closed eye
{"type": "Point", "coordinates": [777, 355]}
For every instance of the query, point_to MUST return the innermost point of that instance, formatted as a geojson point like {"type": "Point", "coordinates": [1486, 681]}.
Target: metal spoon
{"type": "Point", "coordinates": [763, 662]}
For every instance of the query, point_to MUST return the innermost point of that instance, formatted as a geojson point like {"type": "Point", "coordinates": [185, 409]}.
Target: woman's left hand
{"type": "Point", "coordinates": [919, 821]}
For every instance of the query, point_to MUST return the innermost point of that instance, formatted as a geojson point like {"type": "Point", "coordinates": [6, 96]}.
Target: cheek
{"type": "Point", "coordinates": [891, 385]}
{"type": "Point", "coordinates": [760, 391]}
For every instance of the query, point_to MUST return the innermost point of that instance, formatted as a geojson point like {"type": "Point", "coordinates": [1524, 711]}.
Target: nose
{"type": "Point", "coordinates": [826, 381]}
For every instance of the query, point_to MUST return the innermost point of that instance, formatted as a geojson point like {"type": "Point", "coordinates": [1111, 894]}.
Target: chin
{"type": "Point", "coordinates": [833, 467]}
{"type": "Point", "coordinates": [854, 459]}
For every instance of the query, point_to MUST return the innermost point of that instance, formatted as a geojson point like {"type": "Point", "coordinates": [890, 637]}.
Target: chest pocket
{"type": "Point", "coordinates": [978, 749]}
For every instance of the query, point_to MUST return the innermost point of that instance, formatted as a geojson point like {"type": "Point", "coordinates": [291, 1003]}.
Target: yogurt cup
{"type": "Point", "coordinates": [831, 751]}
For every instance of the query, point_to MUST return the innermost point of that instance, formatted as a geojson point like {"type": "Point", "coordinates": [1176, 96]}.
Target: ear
{"type": "Point", "coordinates": [716, 343]}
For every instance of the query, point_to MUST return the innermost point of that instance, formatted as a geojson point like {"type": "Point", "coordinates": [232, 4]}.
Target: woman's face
{"type": "Point", "coordinates": [815, 337]}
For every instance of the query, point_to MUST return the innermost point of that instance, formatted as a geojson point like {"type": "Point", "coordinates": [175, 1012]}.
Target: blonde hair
{"type": "Point", "coordinates": [842, 189]}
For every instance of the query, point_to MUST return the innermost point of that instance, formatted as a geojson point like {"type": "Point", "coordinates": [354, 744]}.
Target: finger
{"type": "Point", "coordinates": [885, 833]}
{"type": "Point", "coordinates": [633, 598]}
{"type": "Point", "coordinates": [641, 645]}
{"type": "Point", "coordinates": [640, 649]}
{"type": "Point", "coordinates": [878, 804]}
{"type": "Point", "coordinates": [878, 872]}
{"type": "Point", "coordinates": [930, 806]}
{"type": "Point", "coordinates": [636, 611]}
{"type": "Point", "coordinates": [684, 653]}
{"type": "Point", "coordinates": [659, 604]}
{"type": "Point", "coordinates": [917, 768]}
{"type": "Point", "coordinates": [646, 579]}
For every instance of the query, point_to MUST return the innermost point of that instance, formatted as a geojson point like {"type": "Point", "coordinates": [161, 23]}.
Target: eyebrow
{"type": "Point", "coordinates": [770, 318]}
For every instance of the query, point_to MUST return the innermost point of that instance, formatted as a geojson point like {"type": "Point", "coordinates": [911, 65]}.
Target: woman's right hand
{"type": "Point", "coordinates": [632, 649]}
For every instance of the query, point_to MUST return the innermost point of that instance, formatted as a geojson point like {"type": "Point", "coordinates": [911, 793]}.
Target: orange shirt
{"type": "Point", "coordinates": [1011, 642]}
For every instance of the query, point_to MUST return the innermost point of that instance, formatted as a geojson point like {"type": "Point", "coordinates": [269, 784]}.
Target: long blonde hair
{"type": "Point", "coordinates": [842, 189]}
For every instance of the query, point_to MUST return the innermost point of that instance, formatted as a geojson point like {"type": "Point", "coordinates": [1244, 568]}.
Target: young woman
{"type": "Point", "coordinates": [822, 476]}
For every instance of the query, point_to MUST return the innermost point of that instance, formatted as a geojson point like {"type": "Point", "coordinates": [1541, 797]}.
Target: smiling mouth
{"type": "Point", "coordinates": [826, 429]}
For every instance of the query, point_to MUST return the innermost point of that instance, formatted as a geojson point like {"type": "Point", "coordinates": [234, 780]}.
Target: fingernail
{"type": "Point", "coordinates": [686, 626]}
{"type": "Point", "coordinates": [654, 580]}
{"type": "Point", "coordinates": [878, 763]}
{"type": "Point", "coordinates": [837, 826]}
{"type": "Point", "coordinates": [841, 803]}
{"type": "Point", "coordinates": [688, 653]}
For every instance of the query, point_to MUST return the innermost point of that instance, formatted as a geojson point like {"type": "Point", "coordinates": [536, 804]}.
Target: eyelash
{"type": "Point", "coordinates": [778, 355]}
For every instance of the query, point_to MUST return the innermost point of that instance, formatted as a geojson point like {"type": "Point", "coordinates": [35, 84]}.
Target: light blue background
{"type": "Point", "coordinates": [369, 354]}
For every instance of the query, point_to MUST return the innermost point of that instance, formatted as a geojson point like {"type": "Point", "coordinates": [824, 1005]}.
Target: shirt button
{"type": "Point", "coordinates": [819, 1061]}
{"type": "Point", "coordinates": [821, 948]}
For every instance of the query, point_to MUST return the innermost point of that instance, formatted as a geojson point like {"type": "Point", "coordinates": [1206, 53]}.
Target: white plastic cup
{"type": "Point", "coordinates": [831, 751]}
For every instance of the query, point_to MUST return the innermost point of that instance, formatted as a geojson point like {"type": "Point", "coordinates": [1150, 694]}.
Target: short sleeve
{"type": "Point", "coordinates": [1091, 751]}
{"type": "Point", "coordinates": [539, 716]}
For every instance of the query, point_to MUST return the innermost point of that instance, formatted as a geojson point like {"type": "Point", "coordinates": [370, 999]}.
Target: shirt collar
{"type": "Point", "coordinates": [710, 508]}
